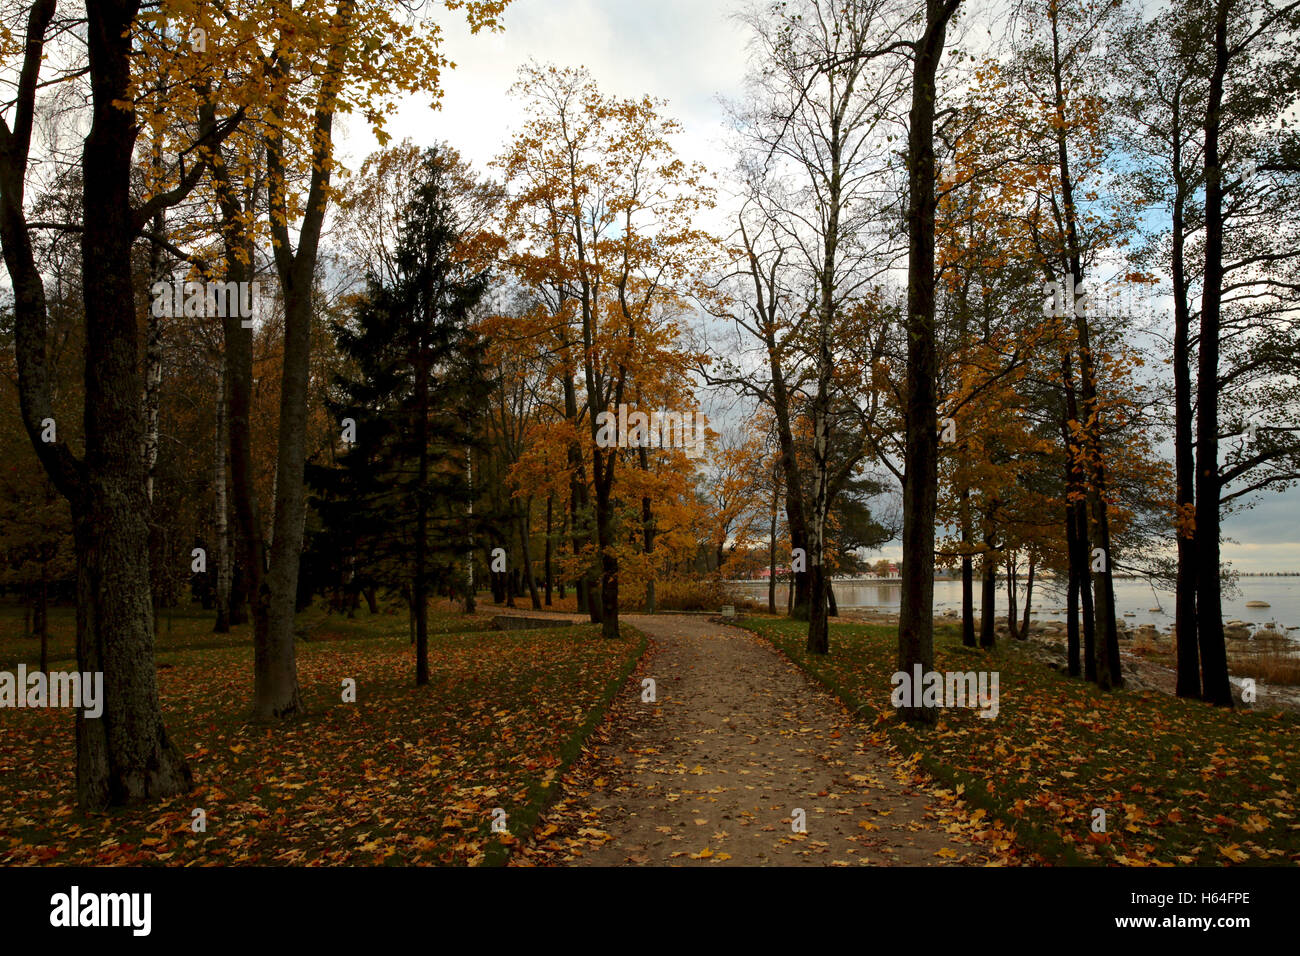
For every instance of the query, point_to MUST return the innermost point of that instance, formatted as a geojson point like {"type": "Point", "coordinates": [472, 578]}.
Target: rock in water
{"type": "Point", "coordinates": [1258, 604]}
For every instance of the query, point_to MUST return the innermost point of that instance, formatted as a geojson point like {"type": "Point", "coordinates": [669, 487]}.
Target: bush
{"type": "Point", "coordinates": [707, 595]}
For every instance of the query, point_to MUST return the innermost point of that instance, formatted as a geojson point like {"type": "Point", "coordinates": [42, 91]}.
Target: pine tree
{"type": "Point", "coordinates": [394, 506]}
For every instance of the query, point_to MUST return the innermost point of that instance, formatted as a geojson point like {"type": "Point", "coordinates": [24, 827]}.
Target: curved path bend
{"type": "Point", "coordinates": [715, 771]}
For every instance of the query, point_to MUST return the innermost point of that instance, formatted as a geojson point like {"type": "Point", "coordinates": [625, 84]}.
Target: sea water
{"type": "Point", "coordinates": [1133, 596]}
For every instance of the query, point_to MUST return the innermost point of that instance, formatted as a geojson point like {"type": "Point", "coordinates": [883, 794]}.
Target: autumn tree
{"type": "Point", "coordinates": [307, 67]}
{"type": "Point", "coordinates": [810, 141]}
{"type": "Point", "coordinates": [1204, 92]}
{"type": "Point", "coordinates": [126, 756]}
{"type": "Point", "coordinates": [1246, 280]}
{"type": "Point", "coordinates": [600, 215]}
{"type": "Point", "coordinates": [419, 367]}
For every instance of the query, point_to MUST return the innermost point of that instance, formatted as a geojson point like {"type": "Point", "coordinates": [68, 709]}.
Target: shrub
{"type": "Point", "coordinates": [707, 595]}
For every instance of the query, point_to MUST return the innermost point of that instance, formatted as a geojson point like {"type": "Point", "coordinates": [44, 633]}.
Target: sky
{"type": "Point", "coordinates": [687, 52]}
{"type": "Point", "coordinates": [690, 53]}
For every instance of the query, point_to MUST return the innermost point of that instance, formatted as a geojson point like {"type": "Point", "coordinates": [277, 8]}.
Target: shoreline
{"type": "Point", "coordinates": [1259, 603]}
{"type": "Point", "coordinates": [1047, 642]}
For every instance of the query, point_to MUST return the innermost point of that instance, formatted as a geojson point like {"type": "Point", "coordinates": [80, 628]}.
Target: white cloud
{"type": "Point", "coordinates": [684, 51]}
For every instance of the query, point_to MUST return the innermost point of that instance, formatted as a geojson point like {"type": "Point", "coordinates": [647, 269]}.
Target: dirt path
{"type": "Point", "coordinates": [715, 770]}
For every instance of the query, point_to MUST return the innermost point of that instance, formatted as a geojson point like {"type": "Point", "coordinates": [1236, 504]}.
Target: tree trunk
{"type": "Point", "coordinates": [248, 513]}
{"type": "Point", "coordinates": [988, 601]}
{"type": "Point", "coordinates": [818, 626]}
{"type": "Point", "coordinates": [221, 509]}
{"type": "Point", "coordinates": [578, 498]}
{"type": "Point", "coordinates": [1085, 594]}
{"type": "Point", "coordinates": [1013, 616]}
{"type": "Point", "coordinates": [508, 578]}
{"type": "Point", "coordinates": [967, 574]}
{"type": "Point", "coordinates": [124, 756]}
{"type": "Point", "coordinates": [496, 581]}
{"type": "Point", "coordinates": [525, 519]}
{"type": "Point", "coordinates": [771, 552]}
{"type": "Point", "coordinates": [800, 594]}
{"type": "Point", "coordinates": [603, 466]}
{"type": "Point", "coordinates": [153, 368]}
{"type": "Point", "coordinates": [1185, 626]}
{"type": "Point", "coordinates": [409, 597]}
{"type": "Point", "coordinates": [275, 686]}
{"type": "Point", "coordinates": [920, 472]}
{"type": "Point", "coordinates": [1216, 687]}
{"type": "Point", "coordinates": [271, 671]}
{"type": "Point", "coordinates": [550, 503]}
{"type": "Point", "coordinates": [819, 630]}
{"type": "Point", "coordinates": [1076, 528]}
{"type": "Point", "coordinates": [768, 307]}
{"type": "Point", "coordinates": [648, 535]}
{"type": "Point", "coordinates": [1029, 598]}
{"type": "Point", "coordinates": [470, 597]}
{"type": "Point", "coordinates": [818, 641]}
{"type": "Point", "coordinates": [989, 583]}
{"type": "Point", "coordinates": [275, 693]}
{"type": "Point", "coordinates": [238, 613]}
{"type": "Point", "coordinates": [1108, 660]}
{"type": "Point", "coordinates": [1072, 612]}
{"type": "Point", "coordinates": [420, 576]}
{"type": "Point", "coordinates": [42, 618]}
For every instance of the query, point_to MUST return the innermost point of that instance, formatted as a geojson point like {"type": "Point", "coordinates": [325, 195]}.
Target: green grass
{"type": "Point", "coordinates": [1181, 782]}
{"type": "Point", "coordinates": [541, 793]}
{"type": "Point", "coordinates": [190, 629]}
{"type": "Point", "coordinates": [405, 775]}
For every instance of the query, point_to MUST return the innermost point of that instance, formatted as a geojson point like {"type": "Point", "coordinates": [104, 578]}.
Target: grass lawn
{"type": "Point", "coordinates": [1180, 782]}
{"type": "Point", "coordinates": [405, 775]}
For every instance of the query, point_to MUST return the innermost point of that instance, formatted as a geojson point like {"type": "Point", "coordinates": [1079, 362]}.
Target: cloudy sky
{"type": "Point", "coordinates": [687, 52]}
{"type": "Point", "coordinates": [690, 53]}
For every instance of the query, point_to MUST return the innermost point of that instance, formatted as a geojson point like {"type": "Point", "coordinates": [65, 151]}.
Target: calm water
{"type": "Point", "coordinates": [1282, 594]}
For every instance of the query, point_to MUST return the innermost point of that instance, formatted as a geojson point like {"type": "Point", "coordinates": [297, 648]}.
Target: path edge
{"type": "Point", "coordinates": [1039, 842]}
{"type": "Point", "coordinates": [540, 797]}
